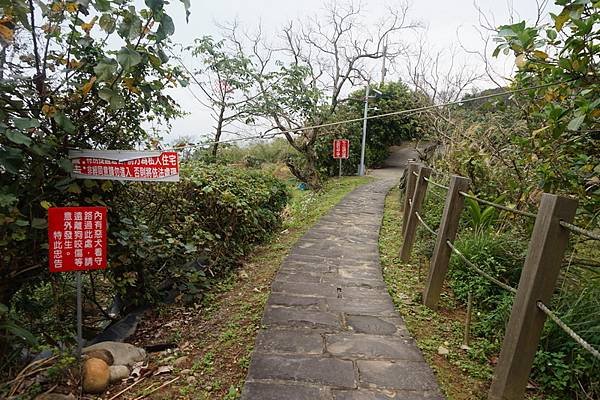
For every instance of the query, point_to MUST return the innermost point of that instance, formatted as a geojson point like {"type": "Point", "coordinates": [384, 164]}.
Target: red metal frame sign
{"type": "Point", "coordinates": [125, 165]}
{"type": "Point", "coordinates": [76, 238]}
{"type": "Point", "coordinates": [341, 148]}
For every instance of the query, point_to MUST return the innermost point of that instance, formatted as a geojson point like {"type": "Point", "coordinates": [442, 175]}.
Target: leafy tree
{"type": "Point", "coordinates": [381, 132]}
{"type": "Point", "coordinates": [75, 74]}
{"type": "Point", "coordinates": [321, 59]}
{"type": "Point", "coordinates": [225, 79]}
{"type": "Point", "coordinates": [563, 118]}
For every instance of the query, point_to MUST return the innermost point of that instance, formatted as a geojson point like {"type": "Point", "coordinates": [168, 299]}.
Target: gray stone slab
{"type": "Point", "coordinates": [289, 341]}
{"type": "Point", "coordinates": [364, 394]}
{"type": "Point", "coordinates": [383, 307]}
{"type": "Point", "coordinates": [275, 391]}
{"type": "Point", "coordinates": [327, 371]}
{"type": "Point", "coordinates": [401, 375]}
{"type": "Point", "coordinates": [305, 288]}
{"type": "Point", "coordinates": [372, 346]}
{"type": "Point", "coordinates": [309, 302]}
{"type": "Point", "coordinates": [370, 324]}
{"type": "Point", "coordinates": [295, 317]}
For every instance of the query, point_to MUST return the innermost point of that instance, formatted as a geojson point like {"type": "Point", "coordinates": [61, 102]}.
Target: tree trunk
{"type": "Point", "coordinates": [308, 172]}
{"type": "Point", "coordinates": [218, 132]}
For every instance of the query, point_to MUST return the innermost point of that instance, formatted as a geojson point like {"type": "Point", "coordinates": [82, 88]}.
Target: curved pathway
{"type": "Point", "coordinates": [330, 329]}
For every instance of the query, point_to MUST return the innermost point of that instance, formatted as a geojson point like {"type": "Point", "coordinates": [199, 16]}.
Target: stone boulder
{"type": "Point", "coordinates": [122, 353]}
{"type": "Point", "coordinates": [118, 373]}
{"type": "Point", "coordinates": [96, 375]}
{"type": "Point", "coordinates": [102, 354]}
{"type": "Point", "coordinates": [55, 396]}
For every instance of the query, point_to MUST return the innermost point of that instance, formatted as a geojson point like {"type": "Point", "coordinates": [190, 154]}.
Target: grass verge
{"type": "Point", "coordinates": [215, 338]}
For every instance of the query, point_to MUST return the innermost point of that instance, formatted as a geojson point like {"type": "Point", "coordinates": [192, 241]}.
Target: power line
{"type": "Point", "coordinates": [400, 112]}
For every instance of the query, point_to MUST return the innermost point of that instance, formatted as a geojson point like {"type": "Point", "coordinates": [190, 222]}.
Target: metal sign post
{"type": "Point", "coordinates": [79, 317]}
{"type": "Point", "coordinates": [77, 241]}
{"type": "Point", "coordinates": [361, 170]}
{"type": "Point", "coordinates": [341, 150]}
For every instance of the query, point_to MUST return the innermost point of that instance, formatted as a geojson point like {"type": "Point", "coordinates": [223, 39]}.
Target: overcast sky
{"type": "Point", "coordinates": [447, 23]}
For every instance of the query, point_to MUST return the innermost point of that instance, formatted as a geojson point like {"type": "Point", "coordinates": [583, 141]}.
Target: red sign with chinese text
{"type": "Point", "coordinates": [125, 165]}
{"type": "Point", "coordinates": [341, 148]}
{"type": "Point", "coordinates": [76, 238]}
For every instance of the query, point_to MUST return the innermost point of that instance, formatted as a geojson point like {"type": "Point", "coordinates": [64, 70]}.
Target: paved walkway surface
{"type": "Point", "coordinates": [330, 328]}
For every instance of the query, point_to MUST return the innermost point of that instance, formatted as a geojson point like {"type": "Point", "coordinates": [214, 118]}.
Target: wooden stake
{"type": "Point", "coordinates": [547, 246]}
{"type": "Point", "coordinates": [447, 232]}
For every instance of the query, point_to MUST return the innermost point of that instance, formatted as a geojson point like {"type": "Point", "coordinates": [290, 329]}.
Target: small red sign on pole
{"type": "Point", "coordinates": [341, 148]}
{"type": "Point", "coordinates": [76, 238]}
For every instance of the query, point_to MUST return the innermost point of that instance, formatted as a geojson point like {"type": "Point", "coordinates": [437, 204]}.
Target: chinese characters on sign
{"type": "Point", "coordinates": [125, 165]}
{"type": "Point", "coordinates": [76, 238]}
{"type": "Point", "coordinates": [341, 148]}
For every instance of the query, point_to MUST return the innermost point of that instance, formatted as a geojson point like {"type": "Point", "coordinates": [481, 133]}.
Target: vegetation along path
{"type": "Point", "coordinates": [330, 327]}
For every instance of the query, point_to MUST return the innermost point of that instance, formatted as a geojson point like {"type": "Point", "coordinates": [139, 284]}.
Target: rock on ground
{"type": "Point", "coordinates": [122, 353]}
{"type": "Point", "coordinates": [96, 376]}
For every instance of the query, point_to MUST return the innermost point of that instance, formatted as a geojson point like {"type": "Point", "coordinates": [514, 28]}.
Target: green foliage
{"type": "Point", "coordinates": [562, 366]}
{"type": "Point", "coordinates": [482, 218]}
{"type": "Point", "coordinates": [381, 133]}
{"type": "Point", "coordinates": [79, 93]}
{"type": "Point", "coordinates": [215, 215]}
{"type": "Point", "coordinates": [562, 118]}
{"type": "Point", "coordinates": [272, 152]}
{"type": "Point", "coordinates": [500, 256]}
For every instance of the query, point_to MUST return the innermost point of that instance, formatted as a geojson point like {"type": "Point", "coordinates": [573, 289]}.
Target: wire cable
{"type": "Point", "coordinates": [479, 271]}
{"type": "Point", "coordinates": [581, 231]}
{"type": "Point", "coordinates": [434, 183]}
{"type": "Point", "coordinates": [434, 233]}
{"type": "Point", "coordinates": [389, 114]}
{"type": "Point", "coordinates": [568, 330]}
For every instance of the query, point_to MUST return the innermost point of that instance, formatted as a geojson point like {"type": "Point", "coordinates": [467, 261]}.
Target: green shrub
{"type": "Point", "coordinates": [499, 255]}
{"type": "Point", "coordinates": [562, 367]}
{"type": "Point", "coordinates": [188, 232]}
{"type": "Point", "coordinates": [164, 239]}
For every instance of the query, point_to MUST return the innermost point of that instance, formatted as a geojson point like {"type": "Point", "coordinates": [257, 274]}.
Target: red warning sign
{"type": "Point", "coordinates": [341, 148]}
{"type": "Point", "coordinates": [76, 238]}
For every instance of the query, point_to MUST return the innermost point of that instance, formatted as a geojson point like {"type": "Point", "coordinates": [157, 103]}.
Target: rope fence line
{"type": "Point", "coordinates": [479, 271]}
{"type": "Point", "coordinates": [568, 330]}
{"type": "Point", "coordinates": [581, 231]}
{"type": "Point", "coordinates": [530, 289]}
{"type": "Point", "coordinates": [496, 205]}
{"type": "Point", "coordinates": [430, 229]}
{"type": "Point", "coordinates": [439, 185]}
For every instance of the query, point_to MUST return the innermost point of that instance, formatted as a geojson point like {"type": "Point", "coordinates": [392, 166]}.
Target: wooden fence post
{"type": "Point", "coordinates": [411, 222]}
{"type": "Point", "coordinates": [438, 266]}
{"type": "Point", "coordinates": [538, 279]}
{"type": "Point", "coordinates": [411, 179]}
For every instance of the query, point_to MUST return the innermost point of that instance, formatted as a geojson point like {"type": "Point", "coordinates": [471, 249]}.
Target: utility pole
{"type": "Point", "coordinates": [361, 170]}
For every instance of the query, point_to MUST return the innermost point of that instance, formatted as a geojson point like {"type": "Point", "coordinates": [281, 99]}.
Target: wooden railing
{"type": "Point", "coordinates": [547, 245]}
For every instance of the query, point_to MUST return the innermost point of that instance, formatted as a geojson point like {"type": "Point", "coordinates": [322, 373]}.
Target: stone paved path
{"type": "Point", "coordinates": [330, 328]}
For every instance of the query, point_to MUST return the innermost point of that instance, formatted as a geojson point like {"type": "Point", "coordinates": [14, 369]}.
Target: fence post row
{"type": "Point", "coordinates": [538, 279]}
{"type": "Point", "coordinates": [411, 179]}
{"type": "Point", "coordinates": [411, 222]}
{"type": "Point", "coordinates": [438, 266]}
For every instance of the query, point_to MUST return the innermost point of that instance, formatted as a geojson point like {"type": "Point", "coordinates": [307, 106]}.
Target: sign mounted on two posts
{"type": "Point", "coordinates": [125, 165]}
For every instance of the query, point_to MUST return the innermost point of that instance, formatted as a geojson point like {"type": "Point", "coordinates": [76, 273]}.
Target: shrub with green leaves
{"type": "Point", "coordinates": [188, 232]}
{"type": "Point", "coordinates": [502, 257]}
